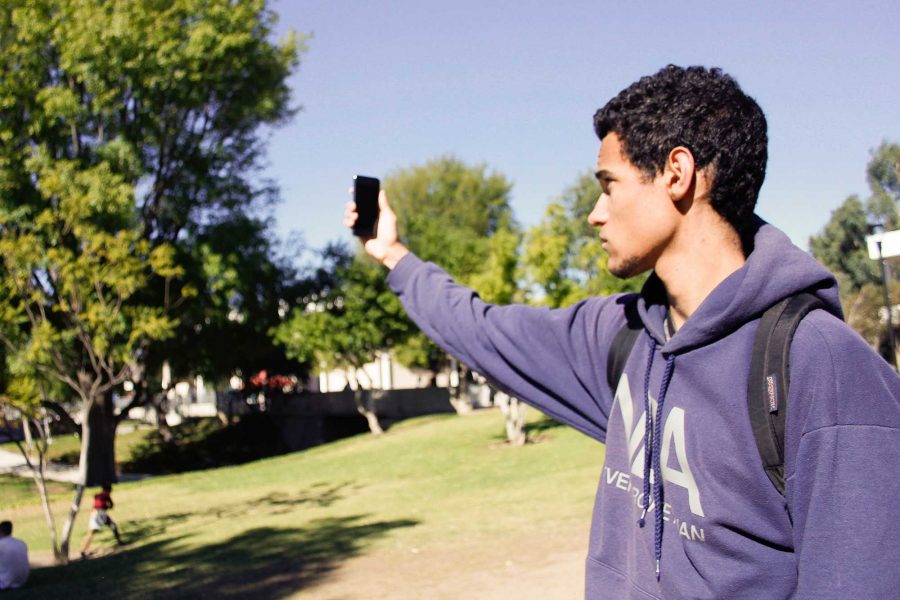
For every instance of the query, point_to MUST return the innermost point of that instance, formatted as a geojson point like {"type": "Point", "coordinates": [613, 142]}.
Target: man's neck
{"type": "Point", "coordinates": [695, 264]}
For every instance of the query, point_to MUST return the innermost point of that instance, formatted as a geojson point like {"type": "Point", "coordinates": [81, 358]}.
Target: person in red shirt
{"type": "Point", "coordinates": [100, 518]}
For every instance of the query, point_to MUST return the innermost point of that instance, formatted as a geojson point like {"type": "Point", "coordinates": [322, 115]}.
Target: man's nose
{"type": "Point", "coordinates": [599, 215]}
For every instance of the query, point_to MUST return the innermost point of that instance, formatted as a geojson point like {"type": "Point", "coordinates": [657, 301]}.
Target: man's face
{"type": "Point", "coordinates": [635, 215]}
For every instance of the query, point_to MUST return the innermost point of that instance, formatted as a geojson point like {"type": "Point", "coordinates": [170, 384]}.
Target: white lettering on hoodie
{"type": "Point", "coordinates": [673, 432]}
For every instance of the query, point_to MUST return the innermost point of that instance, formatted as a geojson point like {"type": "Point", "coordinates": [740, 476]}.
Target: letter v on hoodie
{"type": "Point", "coordinates": [723, 531]}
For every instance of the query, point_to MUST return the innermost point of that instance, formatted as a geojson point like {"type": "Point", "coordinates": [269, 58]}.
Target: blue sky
{"type": "Point", "coordinates": [514, 85]}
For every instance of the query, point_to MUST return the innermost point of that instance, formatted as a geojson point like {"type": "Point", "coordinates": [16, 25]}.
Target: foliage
{"type": "Point", "coordinates": [205, 444]}
{"type": "Point", "coordinates": [459, 217]}
{"type": "Point", "coordinates": [841, 245]}
{"type": "Point", "coordinates": [70, 269]}
{"type": "Point", "coordinates": [448, 212]}
{"type": "Point", "coordinates": [883, 173]}
{"type": "Point", "coordinates": [349, 321]}
{"type": "Point", "coordinates": [129, 135]}
{"type": "Point", "coordinates": [244, 290]}
{"type": "Point", "coordinates": [170, 96]}
{"type": "Point", "coordinates": [563, 260]}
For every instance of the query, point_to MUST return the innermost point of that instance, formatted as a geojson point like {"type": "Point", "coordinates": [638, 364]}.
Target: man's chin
{"type": "Point", "coordinates": [625, 269]}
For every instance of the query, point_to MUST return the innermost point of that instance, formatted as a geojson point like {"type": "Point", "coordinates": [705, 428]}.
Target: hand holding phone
{"type": "Point", "coordinates": [374, 222]}
{"type": "Point", "coordinates": [365, 195]}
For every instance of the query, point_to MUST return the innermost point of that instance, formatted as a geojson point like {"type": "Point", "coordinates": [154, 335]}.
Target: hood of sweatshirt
{"type": "Point", "coordinates": [774, 270]}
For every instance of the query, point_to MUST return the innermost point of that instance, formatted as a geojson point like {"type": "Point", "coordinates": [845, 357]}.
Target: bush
{"type": "Point", "coordinates": [206, 443]}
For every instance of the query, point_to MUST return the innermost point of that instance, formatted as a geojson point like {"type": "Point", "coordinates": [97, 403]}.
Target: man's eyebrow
{"type": "Point", "coordinates": [602, 174]}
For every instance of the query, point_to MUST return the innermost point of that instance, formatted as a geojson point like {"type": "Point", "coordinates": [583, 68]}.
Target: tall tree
{"type": "Point", "coordinates": [841, 246]}
{"type": "Point", "coordinates": [458, 216]}
{"type": "Point", "coordinates": [71, 268]}
{"type": "Point", "coordinates": [346, 323]}
{"type": "Point", "coordinates": [175, 94]}
{"type": "Point", "coordinates": [132, 130]}
{"type": "Point", "coordinates": [563, 260]}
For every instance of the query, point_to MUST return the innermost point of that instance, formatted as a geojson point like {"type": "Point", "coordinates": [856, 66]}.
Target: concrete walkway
{"type": "Point", "coordinates": [12, 463]}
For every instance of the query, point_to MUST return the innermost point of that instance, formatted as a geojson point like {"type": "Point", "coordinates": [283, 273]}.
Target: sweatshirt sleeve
{"type": "Point", "coordinates": [554, 360]}
{"type": "Point", "coordinates": [844, 478]}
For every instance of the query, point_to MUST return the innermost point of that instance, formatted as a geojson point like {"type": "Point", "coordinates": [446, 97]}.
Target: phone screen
{"type": "Point", "coordinates": [365, 194]}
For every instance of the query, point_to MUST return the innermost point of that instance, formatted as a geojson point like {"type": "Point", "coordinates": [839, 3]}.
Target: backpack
{"type": "Point", "coordinates": [769, 381]}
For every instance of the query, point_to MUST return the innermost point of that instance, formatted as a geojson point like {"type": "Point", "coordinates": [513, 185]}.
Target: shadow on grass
{"type": "Point", "coordinates": [320, 495]}
{"type": "Point", "coordinates": [544, 424]}
{"type": "Point", "coordinates": [262, 562]}
{"type": "Point", "coordinates": [533, 431]}
{"type": "Point", "coordinates": [281, 502]}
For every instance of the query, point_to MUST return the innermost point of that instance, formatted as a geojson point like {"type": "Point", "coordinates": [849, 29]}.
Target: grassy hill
{"type": "Point", "coordinates": [275, 527]}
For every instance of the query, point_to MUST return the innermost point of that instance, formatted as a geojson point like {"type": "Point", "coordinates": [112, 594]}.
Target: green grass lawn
{"type": "Point", "coordinates": [273, 527]}
{"type": "Point", "coordinates": [20, 491]}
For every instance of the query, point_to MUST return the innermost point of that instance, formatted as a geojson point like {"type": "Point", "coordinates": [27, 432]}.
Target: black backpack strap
{"type": "Point", "coordinates": [769, 383]}
{"type": "Point", "coordinates": [622, 343]}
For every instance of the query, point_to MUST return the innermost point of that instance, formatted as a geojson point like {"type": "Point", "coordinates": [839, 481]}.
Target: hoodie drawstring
{"type": "Point", "coordinates": [653, 449]}
{"type": "Point", "coordinates": [648, 432]}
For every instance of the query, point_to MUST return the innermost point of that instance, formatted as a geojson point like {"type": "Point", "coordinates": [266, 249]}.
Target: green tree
{"type": "Point", "coordinates": [883, 173]}
{"type": "Point", "coordinates": [158, 106]}
{"type": "Point", "coordinates": [346, 323]}
{"type": "Point", "coordinates": [72, 265]}
{"type": "Point", "coordinates": [244, 290]}
{"type": "Point", "coordinates": [563, 260]}
{"type": "Point", "coordinates": [175, 96]}
{"type": "Point", "coordinates": [447, 212]}
{"type": "Point", "coordinates": [841, 246]}
{"type": "Point", "coordinates": [459, 217]}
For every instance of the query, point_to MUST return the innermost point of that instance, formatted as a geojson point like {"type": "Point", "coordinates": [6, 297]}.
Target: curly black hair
{"type": "Point", "coordinates": [706, 111]}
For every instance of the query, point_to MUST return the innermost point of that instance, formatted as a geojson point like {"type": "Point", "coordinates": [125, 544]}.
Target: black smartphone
{"type": "Point", "coordinates": [365, 194]}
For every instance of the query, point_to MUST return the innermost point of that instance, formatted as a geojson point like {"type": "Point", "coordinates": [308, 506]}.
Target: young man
{"type": "Point", "coordinates": [684, 508]}
{"type": "Point", "coordinates": [14, 566]}
{"type": "Point", "coordinates": [100, 518]}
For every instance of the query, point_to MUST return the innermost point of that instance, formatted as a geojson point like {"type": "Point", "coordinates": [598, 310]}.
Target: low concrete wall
{"type": "Point", "coordinates": [311, 419]}
{"type": "Point", "coordinates": [390, 404]}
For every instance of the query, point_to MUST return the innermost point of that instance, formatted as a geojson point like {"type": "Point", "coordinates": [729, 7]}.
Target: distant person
{"type": "Point", "coordinates": [685, 507]}
{"type": "Point", "coordinates": [13, 559]}
{"type": "Point", "coordinates": [100, 518]}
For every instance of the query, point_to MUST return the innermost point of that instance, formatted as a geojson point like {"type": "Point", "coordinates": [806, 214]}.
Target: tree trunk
{"type": "Point", "coordinates": [26, 429]}
{"type": "Point", "coordinates": [41, 484]}
{"type": "Point", "coordinates": [365, 403]}
{"type": "Point", "coordinates": [459, 394]}
{"type": "Point", "coordinates": [37, 473]}
{"type": "Point", "coordinates": [513, 411]}
{"type": "Point", "coordinates": [63, 554]}
{"type": "Point", "coordinates": [161, 406]}
{"type": "Point", "coordinates": [98, 449]}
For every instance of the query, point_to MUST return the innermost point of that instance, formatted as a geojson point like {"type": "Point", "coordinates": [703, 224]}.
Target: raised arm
{"type": "Point", "coordinates": [552, 359]}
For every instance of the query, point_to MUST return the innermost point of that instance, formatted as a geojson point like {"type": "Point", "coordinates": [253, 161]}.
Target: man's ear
{"type": "Point", "coordinates": [679, 173]}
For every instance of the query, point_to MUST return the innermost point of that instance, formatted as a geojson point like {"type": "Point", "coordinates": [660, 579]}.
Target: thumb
{"type": "Point", "coordinates": [383, 205]}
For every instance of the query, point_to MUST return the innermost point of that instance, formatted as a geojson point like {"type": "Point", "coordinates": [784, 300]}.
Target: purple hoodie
{"type": "Point", "coordinates": [724, 530]}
